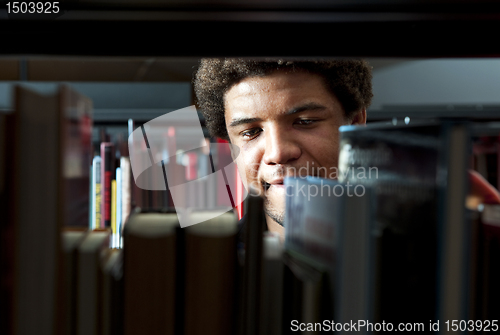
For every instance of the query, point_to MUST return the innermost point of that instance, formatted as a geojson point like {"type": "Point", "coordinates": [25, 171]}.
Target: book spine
{"type": "Point", "coordinates": [355, 245]}
{"type": "Point", "coordinates": [118, 205]}
{"type": "Point", "coordinates": [149, 281]}
{"type": "Point", "coordinates": [497, 153]}
{"type": "Point", "coordinates": [113, 213]}
{"type": "Point", "coordinates": [454, 229]}
{"type": "Point", "coordinates": [91, 196]}
{"type": "Point", "coordinates": [96, 193]}
{"type": "Point", "coordinates": [107, 169]}
{"type": "Point", "coordinates": [133, 187]}
{"type": "Point", "coordinates": [209, 303]}
{"type": "Point", "coordinates": [224, 197]}
{"type": "Point", "coordinates": [253, 263]}
{"type": "Point", "coordinates": [126, 189]}
{"type": "Point", "coordinates": [240, 195]}
{"type": "Point", "coordinates": [490, 273]}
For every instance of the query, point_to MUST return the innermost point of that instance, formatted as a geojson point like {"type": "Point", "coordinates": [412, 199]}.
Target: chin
{"type": "Point", "coordinates": [277, 215]}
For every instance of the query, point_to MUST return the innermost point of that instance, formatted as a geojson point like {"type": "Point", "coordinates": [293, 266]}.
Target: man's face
{"type": "Point", "coordinates": [285, 124]}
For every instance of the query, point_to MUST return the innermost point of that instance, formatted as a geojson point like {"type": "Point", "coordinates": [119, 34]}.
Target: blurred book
{"type": "Point", "coordinates": [210, 287]}
{"type": "Point", "coordinates": [71, 240]}
{"type": "Point", "coordinates": [53, 134]}
{"type": "Point", "coordinates": [251, 233]}
{"type": "Point", "coordinates": [329, 247]}
{"type": "Point", "coordinates": [6, 123]}
{"type": "Point", "coordinates": [126, 190]}
{"type": "Point", "coordinates": [107, 176]}
{"type": "Point", "coordinates": [118, 208]}
{"type": "Point", "coordinates": [111, 302]}
{"type": "Point", "coordinates": [490, 241]}
{"type": "Point", "coordinates": [271, 294]}
{"type": "Point", "coordinates": [89, 317]}
{"type": "Point", "coordinates": [418, 172]}
{"type": "Point", "coordinates": [96, 193]}
{"type": "Point", "coordinates": [149, 269]}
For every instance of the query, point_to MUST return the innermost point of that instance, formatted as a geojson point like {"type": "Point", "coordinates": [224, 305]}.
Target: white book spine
{"type": "Point", "coordinates": [126, 192]}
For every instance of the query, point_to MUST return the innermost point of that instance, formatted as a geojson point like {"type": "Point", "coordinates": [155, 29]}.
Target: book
{"type": "Point", "coordinates": [76, 150]}
{"type": "Point", "coordinates": [91, 197]}
{"type": "Point", "coordinates": [355, 278]}
{"type": "Point", "coordinates": [71, 240]}
{"type": "Point", "coordinates": [328, 243]}
{"type": "Point", "coordinates": [422, 234]}
{"type": "Point", "coordinates": [252, 235]}
{"type": "Point", "coordinates": [96, 193]}
{"type": "Point", "coordinates": [89, 316]}
{"type": "Point", "coordinates": [4, 258]}
{"type": "Point", "coordinates": [107, 175]}
{"type": "Point", "coordinates": [113, 214]}
{"type": "Point", "coordinates": [111, 299]}
{"type": "Point", "coordinates": [53, 131]}
{"type": "Point", "coordinates": [149, 269]}
{"type": "Point", "coordinates": [271, 300]}
{"type": "Point", "coordinates": [307, 295]}
{"type": "Point", "coordinates": [210, 269]}
{"type": "Point", "coordinates": [490, 241]}
{"type": "Point", "coordinates": [126, 189]}
{"type": "Point", "coordinates": [476, 265]}
{"type": "Point", "coordinates": [118, 214]}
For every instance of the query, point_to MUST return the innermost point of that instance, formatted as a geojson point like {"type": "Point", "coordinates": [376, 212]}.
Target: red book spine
{"type": "Point", "coordinates": [240, 193]}
{"type": "Point", "coordinates": [224, 195]}
{"type": "Point", "coordinates": [107, 173]}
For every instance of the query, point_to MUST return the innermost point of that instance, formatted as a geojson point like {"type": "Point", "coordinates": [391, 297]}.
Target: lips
{"type": "Point", "coordinates": [275, 183]}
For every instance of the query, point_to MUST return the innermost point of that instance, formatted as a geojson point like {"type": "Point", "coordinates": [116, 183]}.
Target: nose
{"type": "Point", "coordinates": [281, 147]}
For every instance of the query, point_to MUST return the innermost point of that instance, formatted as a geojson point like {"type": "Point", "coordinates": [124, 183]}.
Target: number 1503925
{"type": "Point", "coordinates": [32, 7]}
{"type": "Point", "coordinates": [470, 325]}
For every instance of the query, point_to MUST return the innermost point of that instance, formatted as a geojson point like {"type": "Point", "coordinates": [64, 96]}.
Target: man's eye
{"type": "Point", "coordinates": [250, 133]}
{"type": "Point", "coordinates": [304, 122]}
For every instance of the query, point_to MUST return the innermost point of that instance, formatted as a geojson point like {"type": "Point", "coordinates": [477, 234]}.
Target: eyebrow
{"type": "Point", "coordinates": [308, 106]}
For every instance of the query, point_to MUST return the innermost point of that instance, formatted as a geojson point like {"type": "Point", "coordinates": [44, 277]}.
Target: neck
{"type": "Point", "coordinates": [275, 227]}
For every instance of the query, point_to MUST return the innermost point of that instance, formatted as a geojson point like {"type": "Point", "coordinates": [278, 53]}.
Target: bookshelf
{"type": "Point", "coordinates": [107, 31]}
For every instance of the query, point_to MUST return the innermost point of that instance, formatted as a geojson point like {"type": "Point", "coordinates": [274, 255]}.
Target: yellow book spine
{"type": "Point", "coordinates": [98, 206]}
{"type": "Point", "coordinates": [113, 207]}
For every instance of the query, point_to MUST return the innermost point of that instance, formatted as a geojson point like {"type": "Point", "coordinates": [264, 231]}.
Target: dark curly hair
{"type": "Point", "coordinates": [350, 80]}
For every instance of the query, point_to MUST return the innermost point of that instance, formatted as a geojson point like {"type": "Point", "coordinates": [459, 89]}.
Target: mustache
{"type": "Point", "coordinates": [294, 171]}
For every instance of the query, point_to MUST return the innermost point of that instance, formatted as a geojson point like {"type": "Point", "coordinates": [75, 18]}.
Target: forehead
{"type": "Point", "coordinates": [275, 81]}
{"type": "Point", "coordinates": [279, 87]}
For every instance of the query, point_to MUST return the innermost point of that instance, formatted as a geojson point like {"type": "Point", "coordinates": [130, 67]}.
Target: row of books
{"type": "Point", "coordinates": [110, 193]}
{"type": "Point", "coordinates": [45, 188]}
{"type": "Point", "coordinates": [45, 174]}
{"type": "Point", "coordinates": [176, 281]}
{"type": "Point", "coordinates": [394, 238]}
{"type": "Point", "coordinates": [165, 280]}
{"type": "Point", "coordinates": [391, 241]}
{"type": "Point", "coordinates": [172, 280]}
{"type": "Point", "coordinates": [195, 175]}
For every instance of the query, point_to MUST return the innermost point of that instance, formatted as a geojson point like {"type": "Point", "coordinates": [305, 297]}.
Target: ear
{"type": "Point", "coordinates": [359, 118]}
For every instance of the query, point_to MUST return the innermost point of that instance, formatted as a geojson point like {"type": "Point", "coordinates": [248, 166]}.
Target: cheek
{"type": "Point", "coordinates": [324, 147]}
{"type": "Point", "coordinates": [248, 163]}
